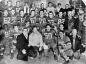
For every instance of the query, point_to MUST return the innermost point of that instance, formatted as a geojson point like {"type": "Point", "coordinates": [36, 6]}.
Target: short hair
{"type": "Point", "coordinates": [49, 2]}
{"type": "Point", "coordinates": [21, 10]}
{"type": "Point", "coordinates": [41, 11]}
{"type": "Point", "coordinates": [49, 25]}
{"type": "Point", "coordinates": [32, 11]}
{"type": "Point", "coordinates": [50, 12]}
{"type": "Point", "coordinates": [59, 4]}
{"type": "Point", "coordinates": [5, 25]}
{"type": "Point", "coordinates": [61, 31]}
{"type": "Point", "coordinates": [42, 3]}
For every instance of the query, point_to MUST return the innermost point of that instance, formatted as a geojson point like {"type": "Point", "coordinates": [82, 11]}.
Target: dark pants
{"type": "Point", "coordinates": [22, 56]}
{"type": "Point", "coordinates": [32, 51]}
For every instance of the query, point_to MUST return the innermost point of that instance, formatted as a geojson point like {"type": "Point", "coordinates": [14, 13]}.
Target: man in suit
{"type": "Point", "coordinates": [22, 45]}
{"type": "Point", "coordinates": [76, 42]}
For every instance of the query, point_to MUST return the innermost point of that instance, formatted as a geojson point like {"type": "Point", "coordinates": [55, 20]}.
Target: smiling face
{"type": "Point", "coordinates": [21, 13]}
{"type": "Point", "coordinates": [48, 28]}
{"type": "Point", "coordinates": [61, 27]}
{"type": "Point", "coordinates": [41, 13]}
{"type": "Point", "coordinates": [32, 13]}
{"type": "Point", "coordinates": [25, 31]}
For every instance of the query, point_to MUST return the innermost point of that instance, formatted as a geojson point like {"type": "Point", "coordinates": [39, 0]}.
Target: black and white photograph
{"type": "Point", "coordinates": [42, 31]}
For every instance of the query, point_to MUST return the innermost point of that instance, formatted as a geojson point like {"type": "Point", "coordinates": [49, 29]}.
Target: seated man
{"type": "Point", "coordinates": [50, 40]}
{"type": "Point", "coordinates": [35, 40]}
{"type": "Point", "coordinates": [22, 45]}
{"type": "Point", "coordinates": [65, 47]}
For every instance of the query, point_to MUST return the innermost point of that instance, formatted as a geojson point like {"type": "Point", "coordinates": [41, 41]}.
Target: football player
{"type": "Point", "coordinates": [41, 20]}
{"type": "Point", "coordinates": [6, 18]}
{"type": "Point", "coordinates": [52, 19]}
{"type": "Point", "coordinates": [32, 18]}
{"type": "Point", "coordinates": [13, 17]}
{"type": "Point", "coordinates": [17, 7]}
{"type": "Point", "coordinates": [50, 41]}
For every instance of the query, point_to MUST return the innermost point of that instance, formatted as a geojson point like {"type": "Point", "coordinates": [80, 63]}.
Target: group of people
{"type": "Point", "coordinates": [36, 31]}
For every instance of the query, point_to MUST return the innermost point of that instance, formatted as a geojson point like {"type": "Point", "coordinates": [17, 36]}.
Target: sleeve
{"type": "Point", "coordinates": [30, 39]}
{"type": "Point", "coordinates": [41, 41]}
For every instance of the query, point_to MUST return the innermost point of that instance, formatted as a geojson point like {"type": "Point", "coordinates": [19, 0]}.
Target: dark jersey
{"type": "Point", "coordinates": [32, 21]}
{"type": "Point", "coordinates": [52, 21]}
{"type": "Point", "coordinates": [21, 19]}
{"type": "Point", "coordinates": [41, 21]}
{"type": "Point", "coordinates": [49, 36]}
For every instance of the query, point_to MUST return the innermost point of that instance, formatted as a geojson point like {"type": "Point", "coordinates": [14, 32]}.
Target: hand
{"type": "Point", "coordinates": [24, 51]}
{"type": "Point", "coordinates": [40, 48]}
{"type": "Point", "coordinates": [83, 45]}
{"type": "Point", "coordinates": [14, 41]}
{"type": "Point", "coordinates": [29, 45]}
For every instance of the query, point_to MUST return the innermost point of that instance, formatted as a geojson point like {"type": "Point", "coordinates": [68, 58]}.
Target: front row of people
{"type": "Point", "coordinates": [36, 42]}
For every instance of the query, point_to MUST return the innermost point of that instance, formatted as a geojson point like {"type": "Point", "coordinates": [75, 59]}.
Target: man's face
{"type": "Point", "coordinates": [5, 12]}
{"type": "Point", "coordinates": [73, 12]}
{"type": "Point", "coordinates": [41, 13]}
{"type": "Point", "coordinates": [21, 13]}
{"type": "Point", "coordinates": [59, 6]}
{"type": "Point", "coordinates": [74, 32]}
{"type": "Point", "coordinates": [6, 27]}
{"type": "Point", "coordinates": [33, 13]}
{"type": "Point", "coordinates": [50, 4]}
{"type": "Point", "coordinates": [70, 14]}
{"type": "Point", "coordinates": [61, 27]}
{"type": "Point", "coordinates": [27, 24]}
{"type": "Point", "coordinates": [66, 6]}
{"type": "Point", "coordinates": [9, 3]}
{"type": "Point", "coordinates": [61, 34]}
{"type": "Point", "coordinates": [17, 3]}
{"type": "Point", "coordinates": [25, 31]}
{"type": "Point", "coordinates": [60, 14]}
{"type": "Point", "coordinates": [35, 29]}
{"type": "Point", "coordinates": [42, 5]}
{"type": "Point", "coordinates": [26, 4]}
{"type": "Point", "coordinates": [45, 11]}
{"type": "Point", "coordinates": [48, 28]}
{"type": "Point", "coordinates": [51, 15]}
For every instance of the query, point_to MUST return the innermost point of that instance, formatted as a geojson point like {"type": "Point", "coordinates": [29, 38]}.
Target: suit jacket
{"type": "Point", "coordinates": [77, 43]}
{"type": "Point", "coordinates": [22, 42]}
